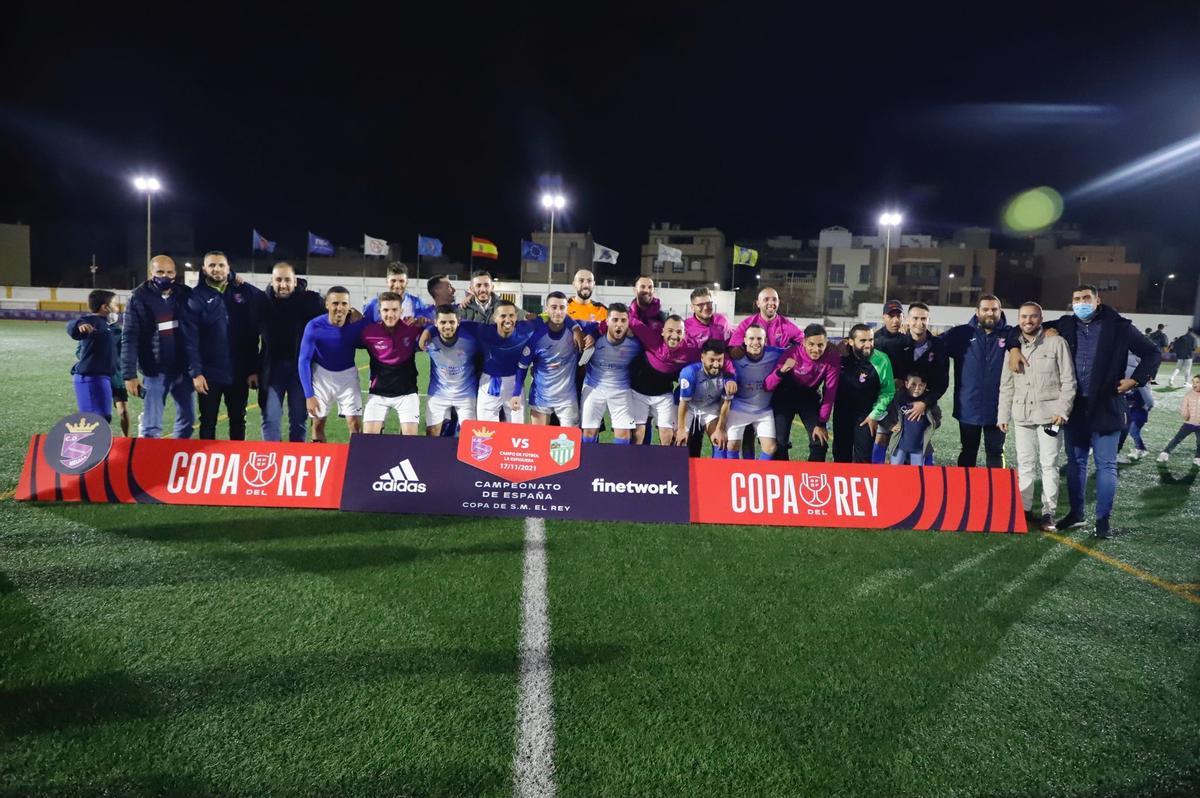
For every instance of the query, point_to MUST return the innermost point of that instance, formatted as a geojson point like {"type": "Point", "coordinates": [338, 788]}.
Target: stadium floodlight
{"type": "Point", "coordinates": [552, 203]}
{"type": "Point", "coordinates": [888, 220]}
{"type": "Point", "coordinates": [1162, 296]}
{"type": "Point", "coordinates": [147, 184]}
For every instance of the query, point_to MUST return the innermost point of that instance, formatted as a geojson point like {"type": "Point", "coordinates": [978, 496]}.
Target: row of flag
{"type": "Point", "coordinates": [483, 248]}
{"type": "Point", "coordinates": [429, 247]}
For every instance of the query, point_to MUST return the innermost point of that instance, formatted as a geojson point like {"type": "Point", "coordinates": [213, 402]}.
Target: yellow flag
{"type": "Point", "coordinates": [744, 256]}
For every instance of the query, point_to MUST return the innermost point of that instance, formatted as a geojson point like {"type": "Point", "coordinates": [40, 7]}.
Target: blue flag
{"type": "Point", "coordinates": [261, 244]}
{"type": "Point", "coordinates": [531, 250]}
{"type": "Point", "coordinates": [429, 247]}
{"type": "Point", "coordinates": [319, 246]}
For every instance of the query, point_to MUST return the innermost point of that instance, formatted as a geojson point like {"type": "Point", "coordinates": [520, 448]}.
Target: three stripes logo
{"type": "Point", "coordinates": [400, 478]}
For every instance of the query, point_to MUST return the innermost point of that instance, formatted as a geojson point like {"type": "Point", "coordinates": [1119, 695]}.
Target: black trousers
{"type": "Point", "coordinates": [993, 445]}
{"type": "Point", "coordinates": [235, 397]}
{"type": "Point", "coordinates": [852, 440]}
{"type": "Point", "coordinates": [806, 403]}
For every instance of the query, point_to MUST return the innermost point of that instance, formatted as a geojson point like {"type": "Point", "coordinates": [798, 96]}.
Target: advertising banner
{"type": "Point", "coordinates": [518, 470]}
{"type": "Point", "coordinates": [158, 471]}
{"type": "Point", "coordinates": [856, 496]}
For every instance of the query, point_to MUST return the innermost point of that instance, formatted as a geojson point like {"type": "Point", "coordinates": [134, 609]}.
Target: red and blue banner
{"type": "Point", "coordinates": [514, 471]}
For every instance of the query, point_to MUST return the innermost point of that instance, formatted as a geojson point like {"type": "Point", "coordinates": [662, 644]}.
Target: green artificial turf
{"type": "Point", "coordinates": [151, 650]}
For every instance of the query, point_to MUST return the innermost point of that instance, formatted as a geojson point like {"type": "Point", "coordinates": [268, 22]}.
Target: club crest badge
{"type": "Point", "coordinates": [481, 447]}
{"type": "Point", "coordinates": [78, 443]}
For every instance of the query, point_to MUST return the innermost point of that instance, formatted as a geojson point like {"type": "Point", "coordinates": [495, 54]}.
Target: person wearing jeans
{"type": "Point", "coordinates": [977, 349]}
{"type": "Point", "coordinates": [1034, 400]}
{"type": "Point", "coordinates": [289, 306]}
{"type": "Point", "coordinates": [1101, 341]}
{"type": "Point", "coordinates": [154, 342]}
{"type": "Point", "coordinates": [154, 401]}
{"type": "Point", "coordinates": [1190, 410]}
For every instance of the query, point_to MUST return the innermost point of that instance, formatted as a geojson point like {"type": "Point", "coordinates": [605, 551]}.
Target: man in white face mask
{"type": "Point", "coordinates": [1101, 341]}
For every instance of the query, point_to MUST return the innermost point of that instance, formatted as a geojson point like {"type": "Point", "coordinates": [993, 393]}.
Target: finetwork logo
{"type": "Point", "coordinates": [400, 478]}
{"type": "Point", "coordinates": [669, 488]}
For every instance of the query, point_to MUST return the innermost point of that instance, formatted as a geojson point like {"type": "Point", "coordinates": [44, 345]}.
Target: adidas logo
{"type": "Point", "coordinates": [400, 478]}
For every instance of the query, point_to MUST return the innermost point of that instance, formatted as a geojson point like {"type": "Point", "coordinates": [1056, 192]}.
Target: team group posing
{"type": "Point", "coordinates": [692, 378]}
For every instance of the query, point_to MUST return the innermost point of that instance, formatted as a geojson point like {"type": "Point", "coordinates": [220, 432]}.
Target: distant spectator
{"type": "Point", "coordinates": [1184, 347]}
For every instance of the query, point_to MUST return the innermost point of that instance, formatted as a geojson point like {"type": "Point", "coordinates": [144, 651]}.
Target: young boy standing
{"type": "Point", "coordinates": [93, 372]}
{"type": "Point", "coordinates": [913, 433]}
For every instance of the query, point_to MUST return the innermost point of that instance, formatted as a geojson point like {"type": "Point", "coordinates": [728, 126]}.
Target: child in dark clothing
{"type": "Point", "coordinates": [913, 434]}
{"type": "Point", "coordinates": [93, 372]}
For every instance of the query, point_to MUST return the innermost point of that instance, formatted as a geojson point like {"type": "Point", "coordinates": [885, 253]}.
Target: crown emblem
{"type": "Point", "coordinates": [484, 432]}
{"type": "Point", "coordinates": [82, 426]}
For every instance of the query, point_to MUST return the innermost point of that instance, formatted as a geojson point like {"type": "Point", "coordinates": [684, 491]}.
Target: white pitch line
{"type": "Point", "coordinates": [963, 565]}
{"type": "Point", "coordinates": [1038, 566]}
{"type": "Point", "coordinates": [533, 760]}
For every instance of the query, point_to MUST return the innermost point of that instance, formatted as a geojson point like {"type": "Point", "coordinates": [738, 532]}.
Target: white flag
{"type": "Point", "coordinates": [375, 246]}
{"type": "Point", "coordinates": [669, 254]}
{"type": "Point", "coordinates": [603, 254]}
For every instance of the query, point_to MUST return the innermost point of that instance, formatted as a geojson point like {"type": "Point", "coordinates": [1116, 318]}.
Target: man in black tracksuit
{"type": "Point", "coordinates": [227, 325]}
{"type": "Point", "coordinates": [865, 390]}
{"type": "Point", "coordinates": [289, 306]}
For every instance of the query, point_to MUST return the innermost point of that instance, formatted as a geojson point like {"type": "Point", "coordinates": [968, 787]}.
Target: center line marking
{"type": "Point", "coordinates": [533, 760]}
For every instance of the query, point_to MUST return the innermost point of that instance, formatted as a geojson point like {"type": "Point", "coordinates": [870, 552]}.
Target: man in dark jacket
{"type": "Point", "coordinates": [1184, 348]}
{"type": "Point", "coordinates": [157, 325]}
{"type": "Point", "coordinates": [978, 351]}
{"type": "Point", "coordinates": [925, 353]}
{"type": "Point", "coordinates": [1101, 341]}
{"type": "Point", "coordinates": [289, 306]}
{"type": "Point", "coordinates": [226, 344]}
{"type": "Point", "coordinates": [896, 344]}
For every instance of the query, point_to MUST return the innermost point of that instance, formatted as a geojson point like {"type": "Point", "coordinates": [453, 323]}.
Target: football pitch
{"type": "Point", "coordinates": [166, 650]}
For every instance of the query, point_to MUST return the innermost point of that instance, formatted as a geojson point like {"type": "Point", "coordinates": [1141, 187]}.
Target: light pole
{"type": "Point", "coordinates": [552, 203]}
{"type": "Point", "coordinates": [1162, 296]}
{"type": "Point", "coordinates": [888, 221]}
{"type": "Point", "coordinates": [147, 185]}
{"type": "Point", "coordinates": [950, 290]}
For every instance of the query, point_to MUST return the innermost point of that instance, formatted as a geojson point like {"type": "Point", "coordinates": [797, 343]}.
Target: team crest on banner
{"type": "Point", "coordinates": [78, 443]}
{"type": "Point", "coordinates": [480, 448]}
{"type": "Point", "coordinates": [519, 452]}
{"type": "Point", "coordinates": [562, 449]}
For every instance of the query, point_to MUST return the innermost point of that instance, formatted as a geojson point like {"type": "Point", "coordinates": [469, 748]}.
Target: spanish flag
{"type": "Point", "coordinates": [482, 248]}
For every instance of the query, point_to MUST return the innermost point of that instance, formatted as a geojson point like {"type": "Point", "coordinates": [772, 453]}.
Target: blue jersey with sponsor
{"type": "Point", "coordinates": [609, 366]}
{"type": "Point", "coordinates": [701, 390]}
{"type": "Point", "coordinates": [752, 396]}
{"type": "Point", "coordinates": [453, 374]}
{"type": "Point", "coordinates": [553, 357]}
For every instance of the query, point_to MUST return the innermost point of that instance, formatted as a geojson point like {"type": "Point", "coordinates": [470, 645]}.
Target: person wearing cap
{"type": "Point", "coordinates": [893, 342]}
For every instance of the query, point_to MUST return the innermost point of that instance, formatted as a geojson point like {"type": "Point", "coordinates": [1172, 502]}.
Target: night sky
{"type": "Point", "coordinates": [446, 123]}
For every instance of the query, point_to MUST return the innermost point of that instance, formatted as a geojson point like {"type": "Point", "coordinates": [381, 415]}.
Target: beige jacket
{"type": "Point", "coordinates": [1045, 389]}
{"type": "Point", "coordinates": [1189, 408]}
